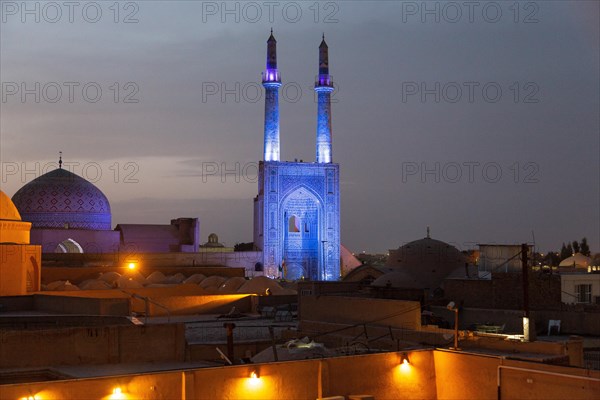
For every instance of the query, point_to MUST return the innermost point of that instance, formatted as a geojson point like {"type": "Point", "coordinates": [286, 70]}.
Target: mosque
{"type": "Point", "coordinates": [297, 209]}
{"type": "Point", "coordinates": [296, 212]}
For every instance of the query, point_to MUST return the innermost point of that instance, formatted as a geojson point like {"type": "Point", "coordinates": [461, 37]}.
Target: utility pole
{"type": "Point", "coordinates": [229, 326]}
{"type": "Point", "coordinates": [525, 273]}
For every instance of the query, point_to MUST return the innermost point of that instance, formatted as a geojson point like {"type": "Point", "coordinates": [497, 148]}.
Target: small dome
{"type": "Point", "coordinates": [8, 211]}
{"type": "Point", "coordinates": [259, 285]}
{"type": "Point", "coordinates": [213, 241]}
{"type": "Point", "coordinates": [577, 260]}
{"type": "Point", "coordinates": [60, 199]}
{"type": "Point", "coordinates": [427, 261]}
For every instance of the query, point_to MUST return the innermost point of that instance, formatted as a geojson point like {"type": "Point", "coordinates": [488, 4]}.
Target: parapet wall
{"type": "Point", "coordinates": [431, 374]}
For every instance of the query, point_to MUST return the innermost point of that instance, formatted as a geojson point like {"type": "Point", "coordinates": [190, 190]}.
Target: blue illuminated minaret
{"type": "Point", "coordinates": [297, 208]}
{"type": "Point", "coordinates": [271, 82]}
{"type": "Point", "coordinates": [324, 87]}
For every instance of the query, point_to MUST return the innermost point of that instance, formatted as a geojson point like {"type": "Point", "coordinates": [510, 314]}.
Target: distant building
{"type": "Point", "coordinates": [213, 245]}
{"type": "Point", "coordinates": [580, 286]}
{"type": "Point", "coordinates": [182, 235]}
{"type": "Point", "coordinates": [495, 258]}
{"type": "Point", "coordinates": [579, 280]}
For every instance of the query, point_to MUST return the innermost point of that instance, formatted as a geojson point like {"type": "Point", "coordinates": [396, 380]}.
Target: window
{"type": "Point", "coordinates": [584, 293]}
{"type": "Point", "coordinates": [294, 224]}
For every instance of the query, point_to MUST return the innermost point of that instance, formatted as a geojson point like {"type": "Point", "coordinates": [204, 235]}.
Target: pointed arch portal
{"type": "Point", "coordinates": [301, 212]}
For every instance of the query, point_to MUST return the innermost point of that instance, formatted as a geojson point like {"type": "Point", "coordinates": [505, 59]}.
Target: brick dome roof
{"type": "Point", "coordinates": [427, 261]}
{"type": "Point", "coordinates": [61, 199]}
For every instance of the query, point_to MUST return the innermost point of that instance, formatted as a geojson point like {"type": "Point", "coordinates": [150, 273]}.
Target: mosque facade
{"type": "Point", "coordinates": [297, 209]}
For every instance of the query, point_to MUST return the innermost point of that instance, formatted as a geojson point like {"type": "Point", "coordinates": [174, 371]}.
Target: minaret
{"type": "Point", "coordinates": [324, 87]}
{"type": "Point", "coordinates": [271, 82]}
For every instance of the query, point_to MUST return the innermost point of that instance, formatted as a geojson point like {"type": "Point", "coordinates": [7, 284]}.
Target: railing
{"type": "Point", "coordinates": [324, 80]}
{"type": "Point", "coordinates": [591, 359]}
{"type": "Point", "coordinates": [271, 76]}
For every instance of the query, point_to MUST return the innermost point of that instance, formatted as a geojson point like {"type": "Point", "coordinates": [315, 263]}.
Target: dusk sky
{"type": "Point", "coordinates": [479, 120]}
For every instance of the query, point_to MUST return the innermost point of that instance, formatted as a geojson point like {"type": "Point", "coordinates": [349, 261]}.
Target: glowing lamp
{"type": "Point", "coordinates": [131, 265]}
{"type": "Point", "coordinates": [254, 375]}
{"type": "Point", "coordinates": [117, 394]}
{"type": "Point", "coordinates": [404, 363]}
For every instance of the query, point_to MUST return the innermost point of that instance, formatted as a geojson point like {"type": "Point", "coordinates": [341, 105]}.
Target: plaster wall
{"type": "Point", "coordinates": [19, 269]}
{"type": "Point", "coordinates": [91, 345]}
{"type": "Point", "coordinates": [350, 310]}
{"type": "Point", "coordinates": [468, 376]}
{"type": "Point", "coordinates": [569, 283]}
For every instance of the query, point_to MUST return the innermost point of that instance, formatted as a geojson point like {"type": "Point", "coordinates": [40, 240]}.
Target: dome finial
{"type": "Point", "coordinates": [60, 159]}
{"type": "Point", "coordinates": [428, 237]}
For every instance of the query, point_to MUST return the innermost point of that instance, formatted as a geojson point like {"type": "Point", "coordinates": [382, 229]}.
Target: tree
{"type": "Point", "coordinates": [576, 248]}
{"type": "Point", "coordinates": [565, 252]}
{"type": "Point", "coordinates": [244, 247]}
{"type": "Point", "coordinates": [552, 258]}
{"type": "Point", "coordinates": [585, 249]}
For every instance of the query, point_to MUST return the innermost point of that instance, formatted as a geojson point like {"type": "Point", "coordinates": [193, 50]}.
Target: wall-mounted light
{"type": "Point", "coordinates": [404, 359]}
{"type": "Point", "coordinates": [254, 382]}
{"type": "Point", "coordinates": [404, 362]}
{"type": "Point", "coordinates": [117, 394]}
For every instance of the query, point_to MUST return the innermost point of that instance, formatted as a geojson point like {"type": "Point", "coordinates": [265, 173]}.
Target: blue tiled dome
{"type": "Point", "coordinates": [60, 199]}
